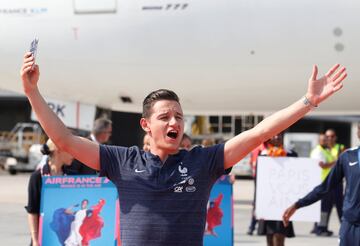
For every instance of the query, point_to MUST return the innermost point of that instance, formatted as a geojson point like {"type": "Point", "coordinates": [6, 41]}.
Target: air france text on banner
{"type": "Point", "coordinates": [79, 210]}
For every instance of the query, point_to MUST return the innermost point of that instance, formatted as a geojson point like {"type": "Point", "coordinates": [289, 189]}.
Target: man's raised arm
{"type": "Point", "coordinates": [80, 148]}
{"type": "Point", "coordinates": [318, 90]}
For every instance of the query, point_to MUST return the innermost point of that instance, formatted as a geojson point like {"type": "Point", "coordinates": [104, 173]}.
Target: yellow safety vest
{"type": "Point", "coordinates": [331, 155]}
{"type": "Point", "coordinates": [329, 158]}
{"type": "Point", "coordinates": [336, 150]}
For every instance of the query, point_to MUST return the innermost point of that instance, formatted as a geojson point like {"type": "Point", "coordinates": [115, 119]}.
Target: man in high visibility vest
{"type": "Point", "coordinates": [336, 196]}
{"type": "Point", "coordinates": [327, 152]}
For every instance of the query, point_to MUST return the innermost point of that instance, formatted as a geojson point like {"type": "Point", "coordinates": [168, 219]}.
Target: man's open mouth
{"type": "Point", "coordinates": [172, 134]}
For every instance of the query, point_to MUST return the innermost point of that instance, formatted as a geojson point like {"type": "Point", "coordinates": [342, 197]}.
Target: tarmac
{"type": "Point", "coordinates": [14, 228]}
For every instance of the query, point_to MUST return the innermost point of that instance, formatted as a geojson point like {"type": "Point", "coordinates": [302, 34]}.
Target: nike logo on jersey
{"type": "Point", "coordinates": [352, 163]}
{"type": "Point", "coordinates": [139, 171]}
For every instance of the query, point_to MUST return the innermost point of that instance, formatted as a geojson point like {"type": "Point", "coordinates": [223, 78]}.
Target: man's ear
{"type": "Point", "coordinates": [144, 125]}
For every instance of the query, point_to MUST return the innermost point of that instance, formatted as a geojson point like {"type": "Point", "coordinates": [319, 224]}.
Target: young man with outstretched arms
{"type": "Point", "coordinates": [163, 193]}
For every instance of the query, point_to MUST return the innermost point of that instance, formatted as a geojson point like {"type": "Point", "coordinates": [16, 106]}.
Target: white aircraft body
{"type": "Point", "coordinates": [221, 57]}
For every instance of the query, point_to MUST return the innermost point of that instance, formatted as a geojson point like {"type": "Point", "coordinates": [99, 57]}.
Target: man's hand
{"type": "Point", "coordinates": [288, 213]}
{"type": "Point", "coordinates": [29, 76]}
{"type": "Point", "coordinates": [322, 88]}
{"type": "Point", "coordinates": [326, 165]}
{"type": "Point", "coordinates": [322, 165]}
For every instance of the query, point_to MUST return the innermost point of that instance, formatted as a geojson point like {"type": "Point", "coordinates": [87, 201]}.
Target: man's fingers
{"type": "Point", "coordinates": [285, 219]}
{"type": "Point", "coordinates": [27, 65]}
{"type": "Point", "coordinates": [36, 68]}
{"type": "Point", "coordinates": [27, 54]}
{"type": "Point", "coordinates": [339, 73]}
{"type": "Point", "coordinates": [338, 80]}
{"type": "Point", "coordinates": [314, 72]}
{"type": "Point", "coordinates": [28, 59]}
{"type": "Point", "coordinates": [338, 87]}
{"type": "Point", "coordinates": [332, 70]}
{"type": "Point", "coordinates": [27, 69]}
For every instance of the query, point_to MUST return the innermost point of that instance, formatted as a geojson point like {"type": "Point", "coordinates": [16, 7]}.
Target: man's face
{"type": "Point", "coordinates": [323, 140]}
{"type": "Point", "coordinates": [330, 137]}
{"type": "Point", "coordinates": [103, 137]}
{"type": "Point", "coordinates": [165, 126]}
{"type": "Point", "coordinates": [277, 140]}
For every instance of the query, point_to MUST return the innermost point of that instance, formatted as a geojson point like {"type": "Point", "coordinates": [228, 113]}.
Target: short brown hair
{"type": "Point", "coordinates": [161, 94]}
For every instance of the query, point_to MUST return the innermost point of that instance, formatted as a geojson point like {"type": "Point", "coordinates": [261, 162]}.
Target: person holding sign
{"type": "Point", "coordinates": [274, 230]}
{"type": "Point", "coordinates": [54, 166]}
{"type": "Point", "coordinates": [163, 193]}
{"type": "Point", "coordinates": [100, 133]}
{"type": "Point", "coordinates": [348, 166]}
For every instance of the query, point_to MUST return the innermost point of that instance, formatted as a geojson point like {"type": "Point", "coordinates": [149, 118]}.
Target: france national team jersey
{"type": "Point", "coordinates": [162, 204]}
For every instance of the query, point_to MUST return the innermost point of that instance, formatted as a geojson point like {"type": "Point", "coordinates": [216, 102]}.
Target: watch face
{"type": "Point", "coordinates": [306, 101]}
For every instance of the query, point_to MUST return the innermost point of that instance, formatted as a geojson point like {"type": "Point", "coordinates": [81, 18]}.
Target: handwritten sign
{"type": "Point", "coordinates": [281, 181]}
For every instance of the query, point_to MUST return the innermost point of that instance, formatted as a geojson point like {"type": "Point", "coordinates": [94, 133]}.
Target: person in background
{"type": "Point", "coordinates": [100, 133]}
{"type": "Point", "coordinates": [56, 162]}
{"type": "Point", "coordinates": [207, 142]}
{"type": "Point", "coordinates": [275, 231]}
{"type": "Point", "coordinates": [330, 151]}
{"type": "Point", "coordinates": [146, 143]}
{"type": "Point", "coordinates": [186, 142]}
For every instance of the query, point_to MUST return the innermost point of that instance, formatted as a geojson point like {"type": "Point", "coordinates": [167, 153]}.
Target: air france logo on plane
{"type": "Point", "coordinates": [24, 11]}
{"type": "Point", "coordinates": [183, 170]}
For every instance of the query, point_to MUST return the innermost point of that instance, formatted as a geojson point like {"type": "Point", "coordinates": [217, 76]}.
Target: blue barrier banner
{"type": "Point", "coordinates": [78, 210]}
{"type": "Point", "coordinates": [219, 221]}
{"type": "Point", "coordinates": [84, 210]}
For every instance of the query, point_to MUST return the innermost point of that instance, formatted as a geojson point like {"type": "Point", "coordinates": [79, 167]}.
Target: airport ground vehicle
{"type": "Point", "coordinates": [20, 148]}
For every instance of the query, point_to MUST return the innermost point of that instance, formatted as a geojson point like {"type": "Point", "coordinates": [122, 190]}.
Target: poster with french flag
{"type": "Point", "coordinates": [219, 229]}
{"type": "Point", "coordinates": [79, 210]}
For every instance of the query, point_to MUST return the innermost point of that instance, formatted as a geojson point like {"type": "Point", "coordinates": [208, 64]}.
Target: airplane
{"type": "Point", "coordinates": [220, 57]}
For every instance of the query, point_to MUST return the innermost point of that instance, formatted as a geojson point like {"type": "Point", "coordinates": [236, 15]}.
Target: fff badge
{"type": "Point", "coordinates": [79, 210]}
{"type": "Point", "coordinates": [219, 218]}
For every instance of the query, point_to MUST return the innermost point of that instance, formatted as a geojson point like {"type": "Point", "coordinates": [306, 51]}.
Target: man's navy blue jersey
{"type": "Point", "coordinates": [347, 166]}
{"type": "Point", "coordinates": [162, 204]}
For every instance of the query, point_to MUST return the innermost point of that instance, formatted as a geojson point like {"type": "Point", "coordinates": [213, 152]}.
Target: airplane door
{"type": "Point", "coordinates": [94, 6]}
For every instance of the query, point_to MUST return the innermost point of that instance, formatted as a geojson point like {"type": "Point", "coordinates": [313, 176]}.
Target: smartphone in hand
{"type": "Point", "coordinates": [33, 49]}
